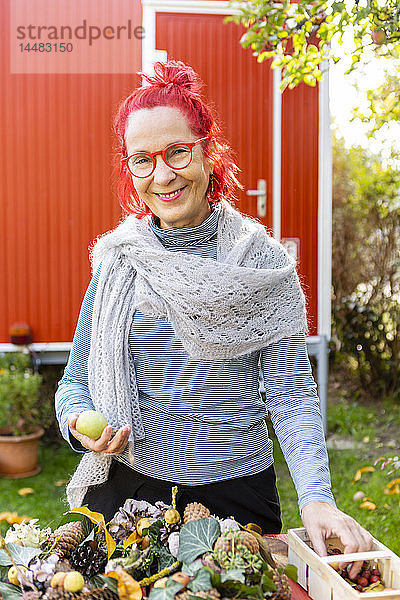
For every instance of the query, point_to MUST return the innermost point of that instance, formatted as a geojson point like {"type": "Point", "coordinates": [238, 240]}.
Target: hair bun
{"type": "Point", "coordinates": [174, 73]}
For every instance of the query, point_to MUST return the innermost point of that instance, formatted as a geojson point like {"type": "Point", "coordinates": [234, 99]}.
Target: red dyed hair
{"type": "Point", "coordinates": [177, 85]}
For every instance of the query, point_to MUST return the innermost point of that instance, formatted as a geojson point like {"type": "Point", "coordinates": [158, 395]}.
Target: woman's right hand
{"type": "Point", "coordinates": [107, 443]}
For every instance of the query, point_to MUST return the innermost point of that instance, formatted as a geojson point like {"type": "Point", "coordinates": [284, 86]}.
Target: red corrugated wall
{"type": "Point", "coordinates": [56, 188]}
{"type": "Point", "coordinates": [242, 92]}
{"type": "Point", "coordinates": [238, 86]}
{"type": "Point", "coordinates": [299, 181]}
{"type": "Point", "coordinates": [56, 185]}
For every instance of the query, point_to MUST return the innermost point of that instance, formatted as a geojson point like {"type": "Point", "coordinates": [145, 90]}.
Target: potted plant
{"type": "Point", "coordinates": [20, 419]}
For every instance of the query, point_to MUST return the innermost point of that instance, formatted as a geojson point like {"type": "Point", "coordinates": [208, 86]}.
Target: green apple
{"type": "Point", "coordinates": [91, 423]}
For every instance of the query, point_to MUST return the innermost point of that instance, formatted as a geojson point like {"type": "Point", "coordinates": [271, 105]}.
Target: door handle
{"type": "Point", "coordinates": [261, 193]}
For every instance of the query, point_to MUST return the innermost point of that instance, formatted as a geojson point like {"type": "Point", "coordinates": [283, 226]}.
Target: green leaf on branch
{"type": "Point", "coordinates": [286, 29]}
{"type": "Point", "coordinates": [338, 6]}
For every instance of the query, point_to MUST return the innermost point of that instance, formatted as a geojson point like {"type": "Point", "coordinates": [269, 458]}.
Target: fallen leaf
{"type": "Point", "coordinates": [368, 505]}
{"type": "Point", "coordinates": [393, 482]}
{"type": "Point", "coordinates": [26, 491]}
{"type": "Point", "coordinates": [359, 472]}
{"type": "Point", "coordinates": [392, 487]}
{"type": "Point", "coordinates": [391, 492]}
{"type": "Point", "coordinates": [60, 482]}
{"type": "Point", "coordinates": [12, 518]}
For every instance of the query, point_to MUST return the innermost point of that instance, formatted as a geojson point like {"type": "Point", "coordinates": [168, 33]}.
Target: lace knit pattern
{"type": "Point", "coordinates": [249, 298]}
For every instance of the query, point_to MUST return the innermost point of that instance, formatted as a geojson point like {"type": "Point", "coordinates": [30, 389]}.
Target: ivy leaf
{"type": "Point", "coordinates": [4, 573]}
{"type": "Point", "coordinates": [233, 575]}
{"type": "Point", "coordinates": [201, 582]}
{"type": "Point", "coordinates": [196, 538]}
{"type": "Point", "coordinates": [291, 572]}
{"type": "Point", "coordinates": [153, 531]}
{"type": "Point", "coordinates": [167, 593]}
{"type": "Point", "coordinates": [236, 589]}
{"type": "Point", "coordinates": [192, 568]}
{"type": "Point", "coordinates": [164, 558]}
{"type": "Point", "coordinates": [101, 580]}
{"type": "Point", "coordinates": [21, 555]}
{"type": "Point", "coordinates": [69, 517]}
{"type": "Point", "coordinates": [9, 591]}
{"type": "Point", "coordinates": [267, 582]}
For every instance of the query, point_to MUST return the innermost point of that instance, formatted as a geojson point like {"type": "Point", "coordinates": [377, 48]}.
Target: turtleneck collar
{"type": "Point", "coordinates": [189, 236]}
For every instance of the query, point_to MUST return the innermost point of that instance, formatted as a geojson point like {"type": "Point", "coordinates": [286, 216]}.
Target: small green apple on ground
{"type": "Point", "coordinates": [91, 423]}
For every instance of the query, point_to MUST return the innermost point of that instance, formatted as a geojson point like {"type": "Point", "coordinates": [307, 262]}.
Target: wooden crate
{"type": "Point", "coordinates": [322, 582]}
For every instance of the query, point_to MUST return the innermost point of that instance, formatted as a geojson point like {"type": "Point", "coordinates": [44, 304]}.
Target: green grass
{"type": "Point", "coordinates": [353, 419]}
{"type": "Point", "coordinates": [374, 427]}
{"type": "Point", "coordinates": [47, 503]}
{"type": "Point", "coordinates": [382, 523]}
{"type": "Point", "coordinates": [346, 418]}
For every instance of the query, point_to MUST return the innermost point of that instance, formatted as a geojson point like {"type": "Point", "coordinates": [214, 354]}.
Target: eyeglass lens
{"type": "Point", "coordinates": [177, 156]}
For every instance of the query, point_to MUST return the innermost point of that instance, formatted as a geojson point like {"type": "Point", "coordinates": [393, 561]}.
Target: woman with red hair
{"type": "Point", "coordinates": [189, 299]}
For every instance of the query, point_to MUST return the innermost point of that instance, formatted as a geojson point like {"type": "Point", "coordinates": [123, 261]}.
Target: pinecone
{"type": "Point", "coordinates": [213, 594]}
{"type": "Point", "coordinates": [231, 539]}
{"type": "Point", "coordinates": [66, 538]}
{"type": "Point", "coordinates": [195, 511]}
{"type": "Point", "coordinates": [59, 594]}
{"type": "Point", "coordinates": [88, 559]}
{"type": "Point", "coordinates": [283, 590]}
{"type": "Point", "coordinates": [166, 531]}
{"type": "Point", "coordinates": [99, 594]}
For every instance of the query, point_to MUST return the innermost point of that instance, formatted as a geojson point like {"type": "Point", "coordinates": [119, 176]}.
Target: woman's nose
{"type": "Point", "coordinates": [163, 173]}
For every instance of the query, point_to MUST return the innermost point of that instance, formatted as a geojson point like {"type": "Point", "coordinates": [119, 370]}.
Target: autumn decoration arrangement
{"type": "Point", "coordinates": [145, 551]}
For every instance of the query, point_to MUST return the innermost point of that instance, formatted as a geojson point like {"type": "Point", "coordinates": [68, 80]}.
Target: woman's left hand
{"type": "Point", "coordinates": [323, 520]}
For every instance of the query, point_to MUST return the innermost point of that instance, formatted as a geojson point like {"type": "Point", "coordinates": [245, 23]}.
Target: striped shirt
{"type": "Point", "coordinates": [205, 421]}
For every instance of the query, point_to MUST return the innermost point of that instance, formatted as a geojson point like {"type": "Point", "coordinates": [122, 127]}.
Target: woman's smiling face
{"type": "Point", "coordinates": [176, 197]}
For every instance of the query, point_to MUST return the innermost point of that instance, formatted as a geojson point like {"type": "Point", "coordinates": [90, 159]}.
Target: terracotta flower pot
{"type": "Point", "coordinates": [18, 454]}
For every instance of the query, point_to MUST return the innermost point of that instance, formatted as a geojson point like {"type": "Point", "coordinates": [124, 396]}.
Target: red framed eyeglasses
{"type": "Point", "coordinates": [176, 156]}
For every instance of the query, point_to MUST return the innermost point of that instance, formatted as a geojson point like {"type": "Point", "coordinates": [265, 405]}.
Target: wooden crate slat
{"type": "Point", "coordinates": [318, 588]}
{"type": "Point", "coordinates": [323, 582]}
{"type": "Point", "coordinates": [354, 556]}
{"type": "Point", "coordinates": [302, 568]}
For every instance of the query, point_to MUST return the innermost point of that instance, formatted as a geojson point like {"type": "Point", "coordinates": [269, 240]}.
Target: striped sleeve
{"type": "Point", "coordinates": [73, 394]}
{"type": "Point", "coordinates": [294, 408]}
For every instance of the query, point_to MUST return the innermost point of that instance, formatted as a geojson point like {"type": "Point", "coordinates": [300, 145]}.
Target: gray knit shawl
{"type": "Point", "coordinates": [248, 298]}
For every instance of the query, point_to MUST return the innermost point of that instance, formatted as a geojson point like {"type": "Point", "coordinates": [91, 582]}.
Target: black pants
{"type": "Point", "coordinates": [250, 499]}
